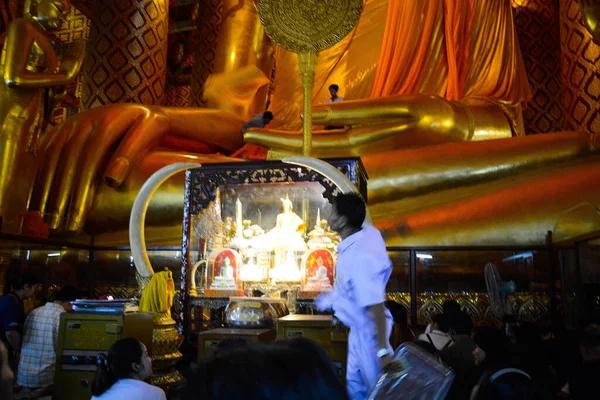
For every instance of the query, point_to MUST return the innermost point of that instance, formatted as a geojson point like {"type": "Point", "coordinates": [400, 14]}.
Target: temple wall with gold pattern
{"type": "Point", "coordinates": [532, 307]}
{"type": "Point", "coordinates": [208, 27]}
{"type": "Point", "coordinates": [9, 10]}
{"type": "Point", "coordinates": [126, 55]}
{"type": "Point", "coordinates": [580, 57]}
{"type": "Point", "coordinates": [538, 30]}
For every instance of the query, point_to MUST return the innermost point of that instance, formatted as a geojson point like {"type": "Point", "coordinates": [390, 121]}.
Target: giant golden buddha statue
{"type": "Point", "coordinates": [434, 94]}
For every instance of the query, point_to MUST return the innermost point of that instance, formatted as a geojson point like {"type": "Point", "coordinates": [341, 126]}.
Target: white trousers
{"type": "Point", "coordinates": [362, 369]}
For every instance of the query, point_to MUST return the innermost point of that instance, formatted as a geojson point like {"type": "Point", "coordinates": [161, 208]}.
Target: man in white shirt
{"type": "Point", "coordinates": [363, 269]}
{"type": "Point", "coordinates": [333, 91]}
{"type": "Point", "coordinates": [40, 338]}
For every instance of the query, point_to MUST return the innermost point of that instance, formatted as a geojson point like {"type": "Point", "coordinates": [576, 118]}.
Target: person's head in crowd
{"type": "Point", "coordinates": [126, 359]}
{"type": "Point", "coordinates": [590, 343]}
{"type": "Point", "coordinates": [317, 355]}
{"type": "Point", "coordinates": [490, 346]}
{"type": "Point", "coordinates": [507, 384]}
{"type": "Point", "coordinates": [451, 307]}
{"type": "Point", "coordinates": [333, 90]}
{"type": "Point", "coordinates": [297, 369]}
{"type": "Point", "coordinates": [440, 322]}
{"type": "Point", "coordinates": [22, 285]}
{"type": "Point", "coordinates": [460, 322]}
{"type": "Point", "coordinates": [398, 311]}
{"type": "Point", "coordinates": [347, 213]}
{"type": "Point", "coordinates": [6, 374]}
{"type": "Point", "coordinates": [427, 347]}
{"type": "Point", "coordinates": [65, 296]}
{"type": "Point", "coordinates": [267, 118]}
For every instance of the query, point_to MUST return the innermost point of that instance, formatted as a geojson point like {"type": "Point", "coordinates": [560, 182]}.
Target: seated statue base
{"type": "Point", "coordinates": [165, 354]}
{"type": "Point", "coordinates": [311, 294]}
{"type": "Point", "coordinates": [171, 381]}
{"type": "Point", "coordinates": [223, 293]}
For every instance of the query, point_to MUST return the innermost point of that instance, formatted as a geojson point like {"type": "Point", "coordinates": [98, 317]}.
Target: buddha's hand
{"type": "Point", "coordinates": [107, 142]}
{"type": "Point", "coordinates": [384, 124]}
{"type": "Point", "coordinates": [72, 61]}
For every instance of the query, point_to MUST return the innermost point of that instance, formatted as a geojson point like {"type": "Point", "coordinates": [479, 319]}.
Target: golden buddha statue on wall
{"type": "Point", "coordinates": [31, 74]}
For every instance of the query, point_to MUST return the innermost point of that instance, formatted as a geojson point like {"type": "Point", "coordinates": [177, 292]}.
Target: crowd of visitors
{"type": "Point", "coordinates": [508, 359]}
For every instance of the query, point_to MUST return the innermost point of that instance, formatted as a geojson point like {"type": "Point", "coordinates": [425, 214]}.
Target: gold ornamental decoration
{"type": "Point", "coordinates": [307, 27]}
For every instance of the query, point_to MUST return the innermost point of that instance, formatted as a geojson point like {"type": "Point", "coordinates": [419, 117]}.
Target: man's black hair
{"type": "Point", "coordinates": [18, 282]}
{"type": "Point", "coordinates": [68, 293]}
{"type": "Point", "coordinates": [268, 115]}
{"type": "Point", "coordinates": [351, 206]}
{"type": "Point", "coordinates": [398, 311]}
{"type": "Point", "coordinates": [334, 86]}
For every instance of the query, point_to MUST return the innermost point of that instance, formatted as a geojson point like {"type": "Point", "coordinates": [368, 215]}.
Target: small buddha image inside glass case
{"type": "Point", "coordinates": [260, 227]}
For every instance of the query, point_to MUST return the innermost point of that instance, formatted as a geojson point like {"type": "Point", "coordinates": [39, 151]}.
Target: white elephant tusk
{"type": "Point", "coordinates": [137, 239]}
{"type": "Point", "coordinates": [330, 172]}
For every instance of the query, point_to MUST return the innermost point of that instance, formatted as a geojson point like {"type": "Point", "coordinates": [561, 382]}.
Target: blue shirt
{"type": "Point", "coordinates": [12, 315]}
{"type": "Point", "coordinates": [256, 122]}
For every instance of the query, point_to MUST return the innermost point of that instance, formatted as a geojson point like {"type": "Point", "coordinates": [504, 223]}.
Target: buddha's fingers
{"type": "Point", "coordinates": [216, 128]}
{"type": "Point", "coordinates": [353, 141]}
{"type": "Point", "coordinates": [138, 132]}
{"type": "Point", "coordinates": [50, 149]}
{"type": "Point", "coordinates": [291, 142]}
{"type": "Point", "coordinates": [142, 134]}
{"type": "Point", "coordinates": [65, 170]}
{"type": "Point", "coordinates": [385, 109]}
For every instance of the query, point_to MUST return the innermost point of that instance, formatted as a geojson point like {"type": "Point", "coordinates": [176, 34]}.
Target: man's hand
{"type": "Point", "coordinates": [385, 362]}
{"type": "Point", "coordinates": [6, 374]}
{"type": "Point", "coordinates": [14, 340]}
{"type": "Point", "coordinates": [391, 366]}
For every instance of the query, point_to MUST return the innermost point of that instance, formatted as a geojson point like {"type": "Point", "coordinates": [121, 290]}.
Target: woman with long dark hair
{"type": "Point", "coordinates": [121, 373]}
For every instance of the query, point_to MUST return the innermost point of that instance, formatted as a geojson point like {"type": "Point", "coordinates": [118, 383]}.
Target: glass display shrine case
{"type": "Point", "coordinates": [261, 226]}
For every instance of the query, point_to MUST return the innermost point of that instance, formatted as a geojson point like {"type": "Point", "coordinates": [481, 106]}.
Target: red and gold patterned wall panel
{"type": "Point", "coordinates": [9, 10]}
{"type": "Point", "coordinates": [76, 26]}
{"type": "Point", "coordinates": [209, 22]}
{"type": "Point", "coordinates": [126, 56]}
{"type": "Point", "coordinates": [84, 6]}
{"type": "Point", "coordinates": [538, 30]}
{"type": "Point", "coordinates": [580, 56]}
{"type": "Point", "coordinates": [177, 96]}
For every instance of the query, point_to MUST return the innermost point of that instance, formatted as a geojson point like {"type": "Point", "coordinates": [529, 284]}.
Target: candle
{"type": "Point", "coordinates": [259, 218]}
{"type": "Point", "coordinates": [318, 216]}
{"type": "Point", "coordinates": [238, 217]}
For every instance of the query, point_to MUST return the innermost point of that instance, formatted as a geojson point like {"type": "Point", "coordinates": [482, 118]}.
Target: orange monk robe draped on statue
{"type": "Point", "coordinates": [456, 49]}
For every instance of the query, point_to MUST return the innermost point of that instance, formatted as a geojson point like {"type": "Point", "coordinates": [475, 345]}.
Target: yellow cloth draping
{"type": "Point", "coordinates": [496, 70]}
{"type": "Point", "coordinates": [157, 297]}
{"type": "Point", "coordinates": [457, 49]}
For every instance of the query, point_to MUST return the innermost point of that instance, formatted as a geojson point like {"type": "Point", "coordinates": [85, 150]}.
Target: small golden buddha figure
{"type": "Point", "coordinates": [288, 222]}
{"type": "Point", "coordinates": [286, 239]}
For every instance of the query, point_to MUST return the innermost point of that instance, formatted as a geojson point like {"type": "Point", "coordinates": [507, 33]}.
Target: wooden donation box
{"type": "Point", "coordinates": [81, 337]}
{"type": "Point", "coordinates": [320, 328]}
{"type": "Point", "coordinates": [208, 340]}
